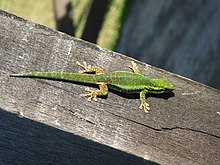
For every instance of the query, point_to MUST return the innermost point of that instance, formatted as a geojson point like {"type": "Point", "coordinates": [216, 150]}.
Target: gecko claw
{"type": "Point", "coordinates": [91, 95]}
{"type": "Point", "coordinates": [134, 67]}
{"type": "Point", "coordinates": [87, 68]}
{"type": "Point", "coordinates": [144, 106]}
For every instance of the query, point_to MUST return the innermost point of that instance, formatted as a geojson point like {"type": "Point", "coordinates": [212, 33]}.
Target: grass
{"type": "Point", "coordinates": [41, 12]}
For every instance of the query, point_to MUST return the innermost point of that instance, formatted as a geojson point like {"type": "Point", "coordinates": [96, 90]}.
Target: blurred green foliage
{"type": "Point", "coordinates": [41, 12]}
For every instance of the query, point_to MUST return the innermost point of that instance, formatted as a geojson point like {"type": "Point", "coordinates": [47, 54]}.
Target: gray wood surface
{"type": "Point", "coordinates": [47, 122]}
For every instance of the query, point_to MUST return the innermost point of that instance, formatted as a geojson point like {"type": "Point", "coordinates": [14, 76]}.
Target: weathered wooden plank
{"type": "Point", "coordinates": [43, 121]}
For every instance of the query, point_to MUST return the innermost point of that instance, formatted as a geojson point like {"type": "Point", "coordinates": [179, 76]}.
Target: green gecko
{"type": "Point", "coordinates": [122, 81]}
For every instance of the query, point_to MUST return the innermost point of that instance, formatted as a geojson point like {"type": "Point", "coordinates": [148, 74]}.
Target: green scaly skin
{"type": "Point", "coordinates": [122, 81]}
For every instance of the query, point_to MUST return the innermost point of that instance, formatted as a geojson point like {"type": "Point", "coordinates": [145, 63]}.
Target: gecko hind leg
{"type": "Point", "coordinates": [144, 105]}
{"type": "Point", "coordinates": [103, 91]}
{"type": "Point", "coordinates": [89, 69]}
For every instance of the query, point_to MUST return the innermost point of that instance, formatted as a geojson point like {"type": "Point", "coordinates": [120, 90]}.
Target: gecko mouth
{"type": "Point", "coordinates": [161, 91]}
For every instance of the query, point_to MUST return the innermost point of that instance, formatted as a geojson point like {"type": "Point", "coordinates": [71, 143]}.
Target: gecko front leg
{"type": "Point", "coordinates": [144, 105]}
{"type": "Point", "coordinates": [103, 91]}
{"type": "Point", "coordinates": [134, 67]}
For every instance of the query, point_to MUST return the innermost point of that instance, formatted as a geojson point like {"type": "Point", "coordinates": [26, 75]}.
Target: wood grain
{"type": "Point", "coordinates": [47, 122]}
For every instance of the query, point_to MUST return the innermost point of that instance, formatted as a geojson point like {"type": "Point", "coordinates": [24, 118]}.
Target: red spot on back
{"type": "Point", "coordinates": [116, 81]}
{"type": "Point", "coordinates": [109, 80]}
{"type": "Point", "coordinates": [102, 79]}
{"type": "Point", "coordinates": [89, 77]}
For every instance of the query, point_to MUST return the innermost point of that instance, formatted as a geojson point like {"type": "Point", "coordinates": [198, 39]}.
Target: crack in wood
{"type": "Point", "coordinates": [166, 128]}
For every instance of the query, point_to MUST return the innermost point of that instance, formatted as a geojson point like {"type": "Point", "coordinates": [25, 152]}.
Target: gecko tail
{"type": "Point", "coordinates": [16, 75]}
{"type": "Point", "coordinates": [21, 74]}
{"type": "Point", "coordinates": [65, 76]}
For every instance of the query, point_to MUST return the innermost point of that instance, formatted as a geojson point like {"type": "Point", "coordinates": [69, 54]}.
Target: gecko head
{"type": "Point", "coordinates": [163, 86]}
